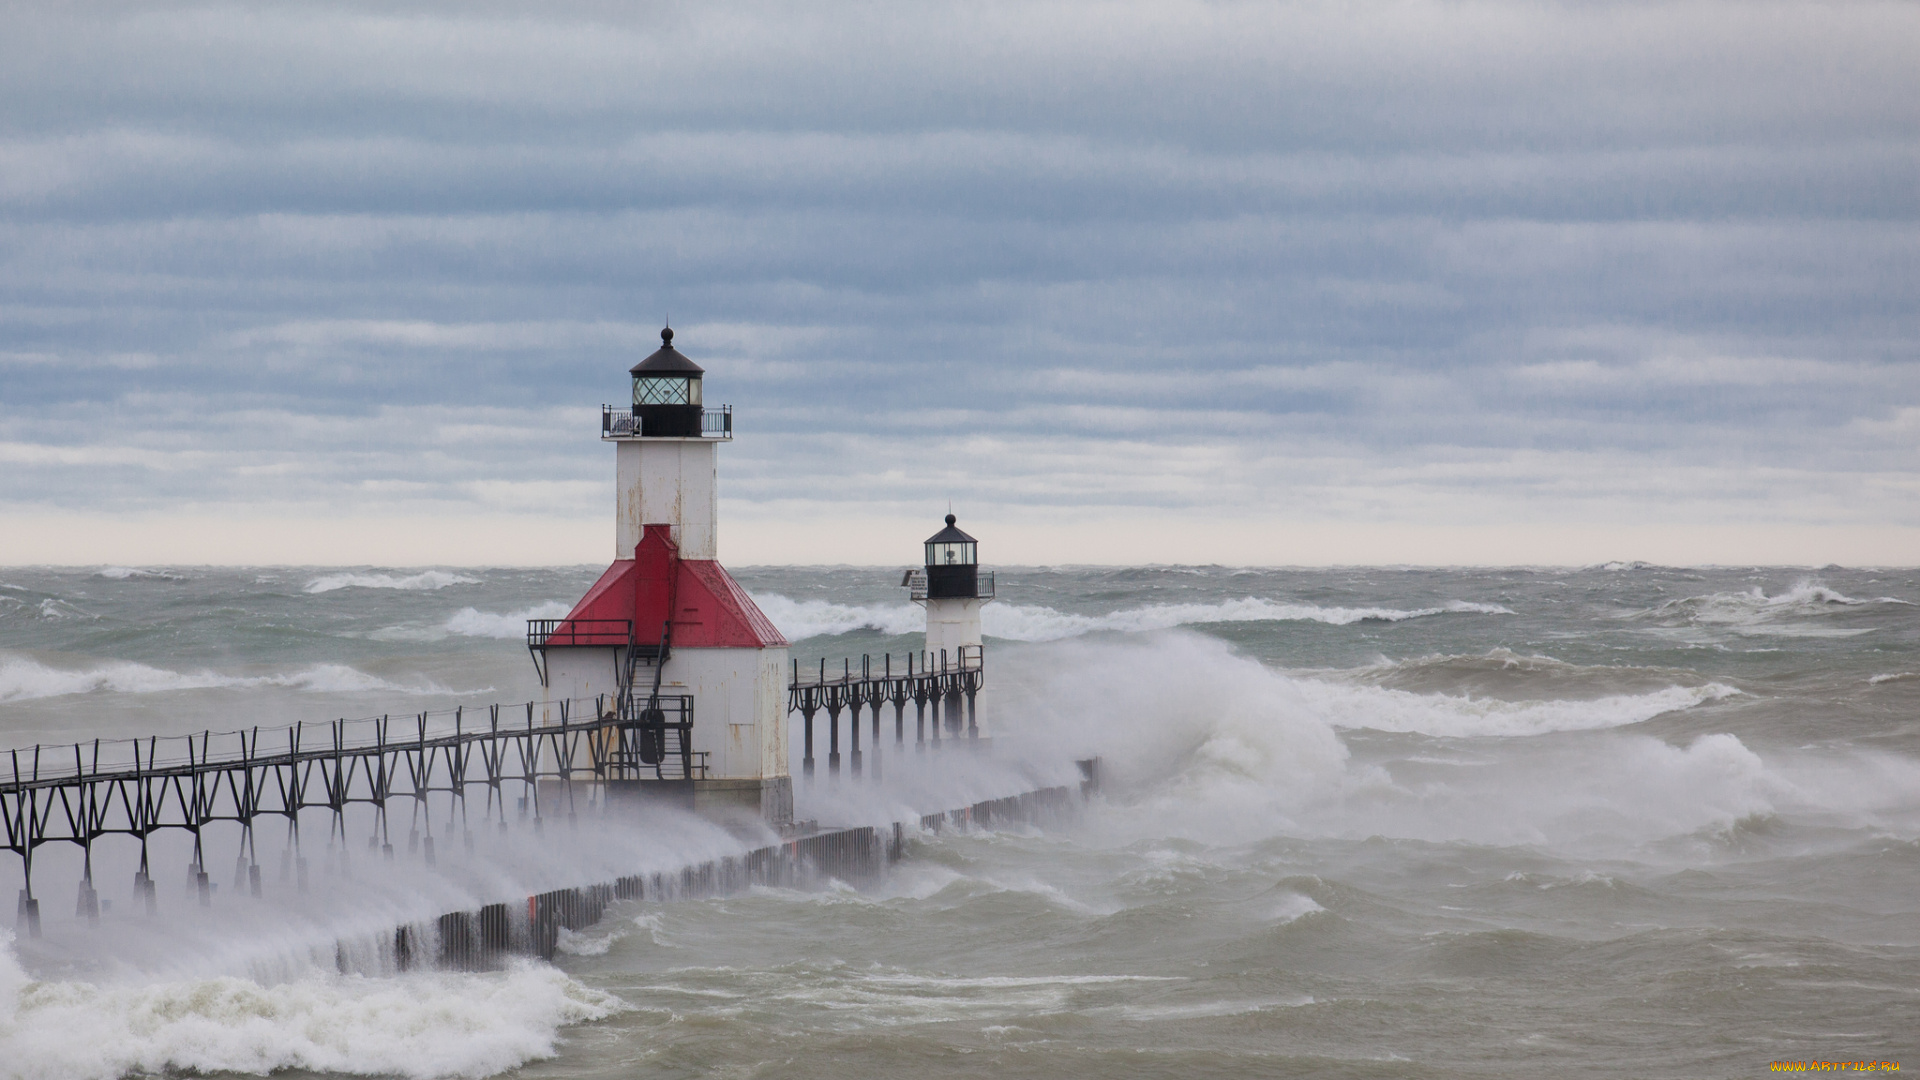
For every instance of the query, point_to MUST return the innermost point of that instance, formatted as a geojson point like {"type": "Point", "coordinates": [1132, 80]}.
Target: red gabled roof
{"type": "Point", "coordinates": [710, 609]}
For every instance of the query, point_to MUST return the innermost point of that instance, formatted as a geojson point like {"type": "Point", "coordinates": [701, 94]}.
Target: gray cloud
{"type": "Point", "coordinates": [1553, 261]}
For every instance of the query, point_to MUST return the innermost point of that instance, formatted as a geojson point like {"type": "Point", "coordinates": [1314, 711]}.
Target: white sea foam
{"type": "Point", "coordinates": [418, 1025]}
{"type": "Point", "coordinates": [22, 679]}
{"type": "Point", "coordinates": [426, 579]}
{"type": "Point", "coordinates": [122, 573]}
{"type": "Point", "coordinates": [576, 943]}
{"type": "Point", "coordinates": [1231, 751]}
{"type": "Point", "coordinates": [1892, 677]}
{"type": "Point", "coordinates": [1015, 622]}
{"type": "Point", "coordinates": [1455, 716]}
{"type": "Point", "coordinates": [1293, 906]}
{"type": "Point", "coordinates": [472, 622]}
{"type": "Point", "coordinates": [1754, 612]}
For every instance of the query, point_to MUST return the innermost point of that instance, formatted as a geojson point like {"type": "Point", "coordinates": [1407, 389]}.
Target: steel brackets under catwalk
{"type": "Point", "coordinates": [80, 793]}
{"type": "Point", "coordinates": [940, 679]}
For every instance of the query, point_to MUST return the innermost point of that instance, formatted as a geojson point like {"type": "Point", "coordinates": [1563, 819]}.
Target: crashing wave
{"type": "Point", "coordinates": [418, 1026]}
{"type": "Point", "coordinates": [27, 680]}
{"type": "Point", "coordinates": [123, 573]}
{"type": "Point", "coordinates": [1754, 611]}
{"type": "Point", "coordinates": [426, 579]}
{"type": "Point", "coordinates": [472, 622]}
{"type": "Point", "coordinates": [801, 619]}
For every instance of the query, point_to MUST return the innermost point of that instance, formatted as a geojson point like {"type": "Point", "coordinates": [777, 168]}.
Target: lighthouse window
{"type": "Point", "coordinates": [666, 391]}
{"type": "Point", "coordinates": [951, 555]}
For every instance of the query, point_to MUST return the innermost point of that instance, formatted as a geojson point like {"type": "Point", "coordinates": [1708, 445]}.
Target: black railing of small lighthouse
{"type": "Point", "coordinates": [916, 581]}
{"type": "Point", "coordinates": [619, 422]}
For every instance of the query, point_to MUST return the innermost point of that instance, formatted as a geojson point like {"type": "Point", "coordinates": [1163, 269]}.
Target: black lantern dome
{"type": "Point", "coordinates": [953, 564]}
{"type": "Point", "coordinates": [666, 393]}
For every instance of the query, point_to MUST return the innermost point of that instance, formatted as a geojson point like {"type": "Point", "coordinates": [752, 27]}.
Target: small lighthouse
{"type": "Point", "coordinates": [950, 590]}
{"type": "Point", "coordinates": [953, 590]}
{"type": "Point", "coordinates": [666, 640]}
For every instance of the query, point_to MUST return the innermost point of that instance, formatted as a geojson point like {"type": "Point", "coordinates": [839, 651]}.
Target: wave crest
{"type": "Point", "coordinates": [1450, 716]}
{"type": "Point", "coordinates": [426, 579]}
{"type": "Point", "coordinates": [417, 1026]}
{"type": "Point", "coordinates": [801, 619]}
{"type": "Point", "coordinates": [123, 573]}
{"type": "Point", "coordinates": [472, 622]}
{"type": "Point", "coordinates": [1756, 612]}
{"type": "Point", "coordinates": [27, 680]}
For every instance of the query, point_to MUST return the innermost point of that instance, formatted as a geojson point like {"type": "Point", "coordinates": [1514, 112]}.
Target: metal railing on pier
{"type": "Point", "coordinates": [547, 759]}
{"type": "Point", "coordinates": [943, 680]}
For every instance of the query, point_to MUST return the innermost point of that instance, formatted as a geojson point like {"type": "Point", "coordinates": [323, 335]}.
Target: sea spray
{"type": "Point", "coordinates": [424, 1025]}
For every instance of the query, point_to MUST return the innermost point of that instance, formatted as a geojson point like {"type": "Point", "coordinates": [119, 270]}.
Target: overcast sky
{"type": "Point", "coordinates": [1265, 283]}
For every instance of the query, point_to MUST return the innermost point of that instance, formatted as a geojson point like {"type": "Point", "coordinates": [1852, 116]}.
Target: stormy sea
{"type": "Point", "coordinates": [1619, 820]}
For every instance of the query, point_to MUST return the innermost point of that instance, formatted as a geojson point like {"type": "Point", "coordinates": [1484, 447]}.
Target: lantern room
{"type": "Point", "coordinates": [953, 563]}
{"type": "Point", "coordinates": [666, 393]}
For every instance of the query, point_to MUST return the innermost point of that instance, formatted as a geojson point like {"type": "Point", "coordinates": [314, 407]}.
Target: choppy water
{"type": "Point", "coordinates": [1610, 821]}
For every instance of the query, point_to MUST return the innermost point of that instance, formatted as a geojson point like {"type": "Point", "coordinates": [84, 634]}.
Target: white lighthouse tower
{"type": "Point", "coordinates": [950, 590]}
{"type": "Point", "coordinates": [953, 590]}
{"type": "Point", "coordinates": [666, 639]}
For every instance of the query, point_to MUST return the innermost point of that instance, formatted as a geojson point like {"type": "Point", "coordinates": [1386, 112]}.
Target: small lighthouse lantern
{"type": "Point", "coordinates": [952, 589]}
{"type": "Point", "coordinates": [666, 393]}
{"type": "Point", "coordinates": [953, 563]}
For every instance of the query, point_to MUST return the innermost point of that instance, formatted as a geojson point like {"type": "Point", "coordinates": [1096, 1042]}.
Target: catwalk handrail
{"type": "Point", "coordinates": [24, 771]}
{"type": "Point", "coordinates": [966, 660]}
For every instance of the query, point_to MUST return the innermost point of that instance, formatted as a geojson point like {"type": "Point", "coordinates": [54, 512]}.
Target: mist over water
{"type": "Point", "coordinates": [1623, 820]}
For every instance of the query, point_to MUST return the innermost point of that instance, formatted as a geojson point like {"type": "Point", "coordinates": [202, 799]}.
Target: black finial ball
{"type": "Point", "coordinates": [666, 336]}
{"type": "Point", "coordinates": [951, 519]}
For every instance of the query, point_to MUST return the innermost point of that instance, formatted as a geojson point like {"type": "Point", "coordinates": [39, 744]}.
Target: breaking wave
{"type": "Point", "coordinates": [418, 1025]}
{"type": "Point", "coordinates": [1451, 716]}
{"type": "Point", "coordinates": [122, 573]}
{"type": "Point", "coordinates": [1234, 751]}
{"type": "Point", "coordinates": [472, 622]}
{"type": "Point", "coordinates": [26, 680]}
{"type": "Point", "coordinates": [426, 579]}
{"type": "Point", "coordinates": [1753, 611]}
{"type": "Point", "coordinates": [800, 619]}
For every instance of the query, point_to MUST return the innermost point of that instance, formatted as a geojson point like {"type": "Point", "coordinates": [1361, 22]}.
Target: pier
{"type": "Point", "coordinates": [463, 768]}
{"type": "Point", "coordinates": [948, 682]}
{"type": "Point", "coordinates": [438, 777]}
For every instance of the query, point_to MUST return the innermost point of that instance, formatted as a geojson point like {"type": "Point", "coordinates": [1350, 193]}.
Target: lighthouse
{"type": "Point", "coordinates": [666, 641]}
{"type": "Point", "coordinates": [953, 590]}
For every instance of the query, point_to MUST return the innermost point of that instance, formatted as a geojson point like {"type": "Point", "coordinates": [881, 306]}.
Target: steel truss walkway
{"type": "Point", "coordinates": [136, 788]}
{"type": "Point", "coordinates": [941, 680]}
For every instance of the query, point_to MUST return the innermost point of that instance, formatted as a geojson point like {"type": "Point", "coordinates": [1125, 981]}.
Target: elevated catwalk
{"type": "Point", "coordinates": [942, 679]}
{"type": "Point", "coordinates": [462, 767]}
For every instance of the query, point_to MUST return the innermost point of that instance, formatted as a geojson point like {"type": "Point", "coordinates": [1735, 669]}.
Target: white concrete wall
{"type": "Point", "coordinates": [739, 701]}
{"type": "Point", "coordinates": [672, 481]}
{"type": "Point", "coordinates": [579, 672]}
{"type": "Point", "coordinates": [739, 708]}
{"type": "Point", "coordinates": [951, 624]}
